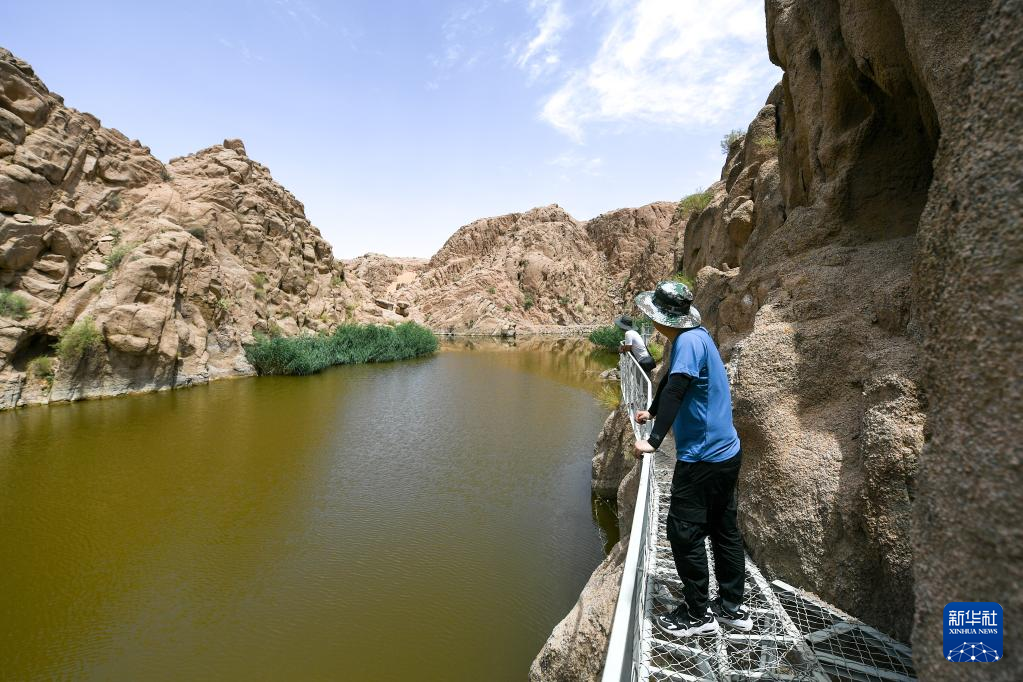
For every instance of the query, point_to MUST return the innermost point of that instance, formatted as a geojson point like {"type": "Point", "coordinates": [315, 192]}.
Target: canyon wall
{"type": "Point", "coordinates": [167, 270]}
{"type": "Point", "coordinates": [174, 266]}
{"type": "Point", "coordinates": [541, 270]}
{"type": "Point", "coordinates": [859, 266]}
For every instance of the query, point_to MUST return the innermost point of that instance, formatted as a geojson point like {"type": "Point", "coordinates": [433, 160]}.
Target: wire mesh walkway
{"type": "Point", "coordinates": [795, 636]}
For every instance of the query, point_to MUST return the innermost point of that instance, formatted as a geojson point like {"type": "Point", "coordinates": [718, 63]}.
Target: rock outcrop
{"type": "Point", "coordinates": [541, 268]}
{"type": "Point", "coordinates": [859, 266]}
{"type": "Point", "coordinates": [862, 287]}
{"type": "Point", "coordinates": [175, 266]}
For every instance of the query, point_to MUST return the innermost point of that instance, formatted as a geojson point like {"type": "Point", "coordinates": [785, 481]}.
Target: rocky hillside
{"type": "Point", "coordinates": [859, 266]}
{"type": "Point", "coordinates": [526, 272]}
{"type": "Point", "coordinates": [165, 269]}
{"type": "Point", "coordinates": [158, 274]}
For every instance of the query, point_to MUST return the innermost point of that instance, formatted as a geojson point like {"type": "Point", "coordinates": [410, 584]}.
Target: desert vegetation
{"type": "Point", "coordinates": [350, 344]}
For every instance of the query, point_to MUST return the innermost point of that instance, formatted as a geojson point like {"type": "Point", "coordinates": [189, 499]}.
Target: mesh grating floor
{"type": "Point", "coordinates": [794, 636]}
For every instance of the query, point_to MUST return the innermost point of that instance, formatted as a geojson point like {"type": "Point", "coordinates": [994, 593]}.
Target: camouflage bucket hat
{"type": "Point", "coordinates": [670, 304]}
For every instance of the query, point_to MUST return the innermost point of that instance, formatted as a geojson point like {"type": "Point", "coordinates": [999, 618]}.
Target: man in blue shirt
{"type": "Point", "coordinates": [693, 398]}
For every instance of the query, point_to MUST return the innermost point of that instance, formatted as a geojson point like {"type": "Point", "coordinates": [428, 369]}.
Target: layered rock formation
{"type": "Point", "coordinates": [174, 265]}
{"type": "Point", "coordinates": [859, 267]}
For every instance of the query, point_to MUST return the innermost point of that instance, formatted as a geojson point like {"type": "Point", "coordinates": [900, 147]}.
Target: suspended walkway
{"type": "Point", "coordinates": [795, 636]}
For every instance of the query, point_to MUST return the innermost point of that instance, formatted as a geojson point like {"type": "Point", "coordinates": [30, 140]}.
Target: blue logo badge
{"type": "Point", "coordinates": [973, 632]}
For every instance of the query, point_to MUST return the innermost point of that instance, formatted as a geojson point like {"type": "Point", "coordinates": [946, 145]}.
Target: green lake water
{"type": "Point", "coordinates": [426, 520]}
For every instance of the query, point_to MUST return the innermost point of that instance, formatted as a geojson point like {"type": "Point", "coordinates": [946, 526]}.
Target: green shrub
{"type": "Point", "coordinates": [198, 232]}
{"type": "Point", "coordinates": [609, 337]}
{"type": "Point", "coordinates": [258, 280]}
{"type": "Point", "coordinates": [693, 203]}
{"type": "Point", "coordinates": [656, 350]}
{"type": "Point", "coordinates": [766, 142]}
{"type": "Point", "coordinates": [507, 309]}
{"type": "Point", "coordinates": [491, 290]}
{"type": "Point", "coordinates": [165, 174]}
{"type": "Point", "coordinates": [117, 254]}
{"type": "Point", "coordinates": [41, 368]}
{"type": "Point", "coordinates": [529, 302]}
{"type": "Point", "coordinates": [685, 279]}
{"type": "Point", "coordinates": [13, 305]}
{"type": "Point", "coordinates": [113, 202]}
{"type": "Point", "coordinates": [337, 280]}
{"type": "Point", "coordinates": [78, 340]}
{"type": "Point", "coordinates": [563, 300]}
{"type": "Point", "coordinates": [728, 139]}
{"type": "Point", "coordinates": [350, 344]}
{"type": "Point", "coordinates": [224, 304]}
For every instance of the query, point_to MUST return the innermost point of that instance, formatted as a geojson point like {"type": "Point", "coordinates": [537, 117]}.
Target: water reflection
{"type": "Point", "coordinates": [422, 520]}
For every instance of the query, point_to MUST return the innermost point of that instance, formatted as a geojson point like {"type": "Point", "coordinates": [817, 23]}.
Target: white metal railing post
{"type": "Point", "coordinates": [637, 394]}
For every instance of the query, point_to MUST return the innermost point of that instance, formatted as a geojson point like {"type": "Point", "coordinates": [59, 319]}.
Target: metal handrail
{"type": "Point", "coordinates": [621, 645]}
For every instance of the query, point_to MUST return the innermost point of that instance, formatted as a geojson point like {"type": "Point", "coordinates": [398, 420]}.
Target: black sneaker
{"type": "Point", "coordinates": [738, 619]}
{"type": "Point", "coordinates": [679, 623]}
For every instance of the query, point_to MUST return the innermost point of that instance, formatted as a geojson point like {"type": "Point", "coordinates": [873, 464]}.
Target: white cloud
{"type": "Point", "coordinates": [540, 54]}
{"type": "Point", "coordinates": [669, 62]}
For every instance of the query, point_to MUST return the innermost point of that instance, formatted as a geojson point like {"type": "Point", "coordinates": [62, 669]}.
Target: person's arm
{"type": "Point", "coordinates": [655, 403]}
{"type": "Point", "coordinates": [669, 395]}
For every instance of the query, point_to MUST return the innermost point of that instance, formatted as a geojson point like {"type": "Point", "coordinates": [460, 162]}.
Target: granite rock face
{"type": "Point", "coordinates": [967, 293]}
{"type": "Point", "coordinates": [541, 269]}
{"type": "Point", "coordinates": [833, 271]}
{"type": "Point", "coordinates": [860, 267]}
{"type": "Point", "coordinates": [176, 265]}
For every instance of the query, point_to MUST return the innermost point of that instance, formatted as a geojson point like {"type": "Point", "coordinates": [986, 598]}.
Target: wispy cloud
{"type": "Point", "coordinates": [669, 62]}
{"type": "Point", "coordinates": [577, 163]}
{"type": "Point", "coordinates": [540, 53]}
{"type": "Point", "coordinates": [460, 29]}
{"type": "Point", "coordinates": [241, 50]}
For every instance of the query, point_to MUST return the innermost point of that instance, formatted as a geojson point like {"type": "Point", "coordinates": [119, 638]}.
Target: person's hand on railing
{"type": "Point", "coordinates": [641, 448]}
{"type": "Point", "coordinates": [642, 417]}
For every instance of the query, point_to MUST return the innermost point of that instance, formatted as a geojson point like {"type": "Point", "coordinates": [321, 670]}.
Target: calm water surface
{"type": "Point", "coordinates": [428, 520]}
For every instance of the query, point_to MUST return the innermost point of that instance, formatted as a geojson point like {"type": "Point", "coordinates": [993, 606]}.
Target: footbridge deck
{"type": "Point", "coordinates": [795, 635]}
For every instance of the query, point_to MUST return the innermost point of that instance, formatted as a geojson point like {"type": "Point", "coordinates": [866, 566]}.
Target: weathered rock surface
{"type": "Point", "coordinates": [529, 271]}
{"type": "Point", "coordinates": [859, 266]}
{"type": "Point", "coordinates": [178, 265]}
{"type": "Point", "coordinates": [806, 278]}
{"type": "Point", "coordinates": [967, 294]}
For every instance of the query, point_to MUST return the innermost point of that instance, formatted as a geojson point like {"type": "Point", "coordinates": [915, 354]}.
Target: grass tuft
{"type": "Point", "coordinates": [13, 305]}
{"type": "Point", "coordinates": [693, 203]}
{"type": "Point", "coordinates": [609, 396]}
{"type": "Point", "coordinates": [41, 368]}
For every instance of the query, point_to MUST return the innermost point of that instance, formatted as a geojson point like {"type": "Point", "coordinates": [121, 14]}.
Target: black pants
{"type": "Point", "coordinates": [647, 364]}
{"type": "Point", "coordinates": [703, 504]}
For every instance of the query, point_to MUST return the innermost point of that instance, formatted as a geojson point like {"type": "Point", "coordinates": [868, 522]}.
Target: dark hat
{"type": "Point", "coordinates": [670, 304]}
{"type": "Point", "coordinates": [623, 322]}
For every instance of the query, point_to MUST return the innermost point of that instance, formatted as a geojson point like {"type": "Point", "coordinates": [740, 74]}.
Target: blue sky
{"type": "Point", "coordinates": [397, 122]}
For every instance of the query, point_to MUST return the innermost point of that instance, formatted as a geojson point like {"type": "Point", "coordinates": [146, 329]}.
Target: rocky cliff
{"type": "Point", "coordinates": [533, 271]}
{"type": "Point", "coordinates": [859, 265]}
{"type": "Point", "coordinates": [173, 266]}
{"type": "Point", "coordinates": [164, 271]}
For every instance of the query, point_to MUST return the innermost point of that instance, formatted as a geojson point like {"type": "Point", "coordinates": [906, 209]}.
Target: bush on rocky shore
{"type": "Point", "coordinates": [350, 344]}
